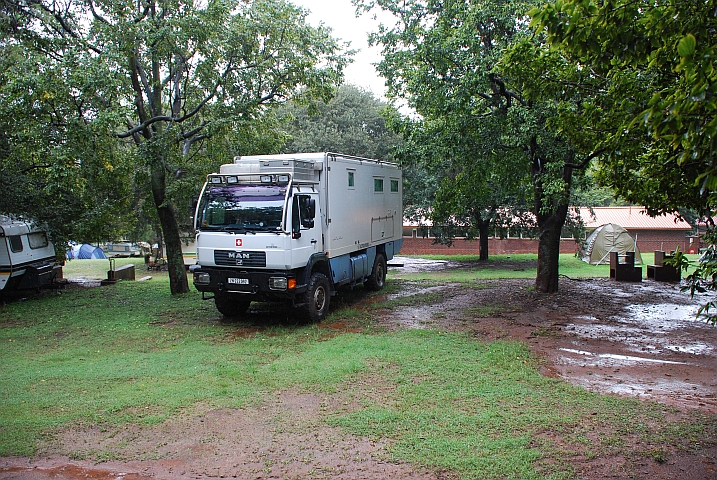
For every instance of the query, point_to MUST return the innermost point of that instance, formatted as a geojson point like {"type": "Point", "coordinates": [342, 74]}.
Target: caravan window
{"type": "Point", "coordinates": [37, 240]}
{"type": "Point", "coordinates": [15, 243]}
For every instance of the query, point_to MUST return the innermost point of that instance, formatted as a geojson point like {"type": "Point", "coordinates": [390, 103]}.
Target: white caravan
{"type": "Point", "coordinates": [122, 249]}
{"type": "Point", "coordinates": [296, 227]}
{"type": "Point", "coordinates": [27, 257]}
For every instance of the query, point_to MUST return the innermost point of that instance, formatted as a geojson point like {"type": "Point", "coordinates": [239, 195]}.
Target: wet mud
{"type": "Point", "coordinates": [637, 339]}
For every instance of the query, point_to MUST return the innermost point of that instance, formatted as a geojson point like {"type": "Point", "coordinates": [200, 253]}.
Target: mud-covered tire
{"type": "Point", "coordinates": [317, 297]}
{"type": "Point", "coordinates": [231, 305]}
{"type": "Point", "coordinates": [377, 280]}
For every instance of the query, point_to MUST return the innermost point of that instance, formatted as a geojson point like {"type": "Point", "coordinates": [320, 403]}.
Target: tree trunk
{"type": "Point", "coordinates": [170, 231]}
{"type": "Point", "coordinates": [547, 278]}
{"type": "Point", "coordinates": [483, 232]}
{"type": "Point", "coordinates": [550, 225]}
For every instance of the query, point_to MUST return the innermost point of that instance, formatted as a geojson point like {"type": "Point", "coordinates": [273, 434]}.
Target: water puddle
{"type": "Point", "coordinates": [620, 358]}
{"type": "Point", "coordinates": [416, 265]}
{"type": "Point", "coordinates": [412, 317]}
{"type": "Point", "coordinates": [413, 290]}
{"type": "Point", "coordinates": [694, 349]}
{"type": "Point", "coordinates": [655, 328]}
{"type": "Point", "coordinates": [85, 282]}
{"type": "Point", "coordinates": [663, 316]}
{"type": "Point", "coordinates": [67, 472]}
{"type": "Point", "coordinates": [653, 389]}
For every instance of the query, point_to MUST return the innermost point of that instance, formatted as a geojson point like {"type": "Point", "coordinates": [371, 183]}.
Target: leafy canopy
{"type": "Point", "coordinates": [657, 64]}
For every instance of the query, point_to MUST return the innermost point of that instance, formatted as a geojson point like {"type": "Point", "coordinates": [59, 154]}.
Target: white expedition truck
{"type": "Point", "coordinates": [296, 227]}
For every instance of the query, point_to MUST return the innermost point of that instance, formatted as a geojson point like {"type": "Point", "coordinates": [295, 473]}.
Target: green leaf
{"type": "Point", "coordinates": [686, 45]}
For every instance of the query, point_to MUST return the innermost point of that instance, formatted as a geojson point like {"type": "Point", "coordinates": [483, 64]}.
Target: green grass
{"type": "Point", "coordinates": [479, 409]}
{"type": "Point", "coordinates": [133, 354]}
{"type": "Point", "coordinates": [97, 269]}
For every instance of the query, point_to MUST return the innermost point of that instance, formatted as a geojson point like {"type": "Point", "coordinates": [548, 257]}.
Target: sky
{"type": "Point", "coordinates": [340, 16]}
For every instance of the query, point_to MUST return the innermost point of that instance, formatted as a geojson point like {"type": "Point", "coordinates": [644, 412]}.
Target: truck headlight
{"type": "Point", "coordinates": [201, 278]}
{"type": "Point", "coordinates": [278, 283]}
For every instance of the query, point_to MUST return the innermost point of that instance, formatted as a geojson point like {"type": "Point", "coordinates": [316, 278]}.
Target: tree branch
{"type": "Point", "coordinates": [504, 92]}
{"type": "Point", "coordinates": [188, 143]}
{"type": "Point", "coordinates": [96, 15]}
{"type": "Point", "coordinates": [142, 126]}
{"type": "Point", "coordinates": [587, 160]}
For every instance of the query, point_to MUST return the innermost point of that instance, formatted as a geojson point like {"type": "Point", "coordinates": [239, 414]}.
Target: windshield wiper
{"type": "Point", "coordinates": [238, 230]}
{"type": "Point", "coordinates": [248, 229]}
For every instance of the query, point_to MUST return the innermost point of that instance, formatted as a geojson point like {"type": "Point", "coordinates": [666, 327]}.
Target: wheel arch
{"type": "Point", "coordinates": [318, 262]}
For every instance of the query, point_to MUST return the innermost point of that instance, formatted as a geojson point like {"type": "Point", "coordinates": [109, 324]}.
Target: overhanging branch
{"type": "Point", "coordinates": [587, 159]}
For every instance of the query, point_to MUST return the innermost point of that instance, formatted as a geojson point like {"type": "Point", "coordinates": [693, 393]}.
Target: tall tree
{"type": "Point", "coordinates": [55, 166]}
{"type": "Point", "coordinates": [446, 58]}
{"type": "Point", "coordinates": [352, 122]}
{"type": "Point", "coordinates": [471, 194]}
{"type": "Point", "coordinates": [169, 76]}
{"type": "Point", "coordinates": [654, 64]}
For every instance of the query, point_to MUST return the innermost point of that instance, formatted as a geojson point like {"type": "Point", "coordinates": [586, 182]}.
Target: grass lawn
{"type": "Point", "coordinates": [133, 354]}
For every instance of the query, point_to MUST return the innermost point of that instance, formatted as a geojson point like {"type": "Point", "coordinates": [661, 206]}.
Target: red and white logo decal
{"type": "Point", "coordinates": [239, 242]}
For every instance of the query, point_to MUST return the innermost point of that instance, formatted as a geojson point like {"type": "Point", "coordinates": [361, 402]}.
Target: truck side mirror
{"type": "Point", "coordinates": [308, 212]}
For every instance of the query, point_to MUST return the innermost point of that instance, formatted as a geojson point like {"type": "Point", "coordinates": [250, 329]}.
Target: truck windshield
{"type": "Point", "coordinates": [242, 208]}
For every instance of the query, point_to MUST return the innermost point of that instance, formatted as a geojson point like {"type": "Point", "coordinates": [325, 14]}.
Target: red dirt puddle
{"type": "Point", "coordinates": [66, 472]}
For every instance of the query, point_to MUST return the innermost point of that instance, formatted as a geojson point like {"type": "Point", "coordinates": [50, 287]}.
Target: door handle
{"type": "Point", "coordinates": [314, 241]}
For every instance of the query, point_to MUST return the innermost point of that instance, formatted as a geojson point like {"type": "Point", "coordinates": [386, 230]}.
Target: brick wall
{"type": "Point", "coordinates": [647, 241]}
{"type": "Point", "coordinates": [667, 241]}
{"type": "Point", "coordinates": [425, 246]}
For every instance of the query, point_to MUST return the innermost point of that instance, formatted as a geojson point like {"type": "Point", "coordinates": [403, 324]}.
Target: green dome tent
{"type": "Point", "coordinates": [605, 239]}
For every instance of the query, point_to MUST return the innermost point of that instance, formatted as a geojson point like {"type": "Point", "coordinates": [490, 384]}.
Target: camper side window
{"type": "Point", "coordinates": [378, 185]}
{"type": "Point", "coordinates": [15, 243]}
{"type": "Point", "coordinates": [37, 240]}
{"type": "Point", "coordinates": [351, 178]}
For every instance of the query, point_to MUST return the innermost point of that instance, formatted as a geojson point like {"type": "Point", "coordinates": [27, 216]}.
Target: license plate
{"type": "Point", "coordinates": [238, 281]}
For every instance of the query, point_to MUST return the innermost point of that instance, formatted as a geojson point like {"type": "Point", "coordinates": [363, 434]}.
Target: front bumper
{"type": "Point", "coordinates": [258, 283]}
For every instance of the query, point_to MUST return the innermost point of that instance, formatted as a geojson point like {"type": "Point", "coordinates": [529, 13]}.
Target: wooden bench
{"type": "Point", "coordinates": [661, 272]}
{"type": "Point", "coordinates": [623, 269]}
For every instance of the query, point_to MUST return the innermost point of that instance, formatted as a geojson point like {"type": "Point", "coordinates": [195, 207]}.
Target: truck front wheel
{"type": "Point", "coordinates": [230, 305]}
{"type": "Point", "coordinates": [316, 297]}
{"type": "Point", "coordinates": [377, 280]}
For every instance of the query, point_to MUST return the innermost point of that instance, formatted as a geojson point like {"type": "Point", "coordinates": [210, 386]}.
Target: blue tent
{"type": "Point", "coordinates": [86, 252]}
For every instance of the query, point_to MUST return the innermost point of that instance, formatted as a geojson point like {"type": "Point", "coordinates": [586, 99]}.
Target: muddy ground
{"type": "Point", "coordinates": [640, 340]}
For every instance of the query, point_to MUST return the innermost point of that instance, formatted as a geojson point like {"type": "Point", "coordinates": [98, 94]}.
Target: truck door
{"type": "Point", "coordinates": [305, 228]}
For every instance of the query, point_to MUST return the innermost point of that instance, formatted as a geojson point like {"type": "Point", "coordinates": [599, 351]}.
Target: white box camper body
{"type": "Point", "coordinates": [27, 257]}
{"type": "Point", "coordinates": [300, 213]}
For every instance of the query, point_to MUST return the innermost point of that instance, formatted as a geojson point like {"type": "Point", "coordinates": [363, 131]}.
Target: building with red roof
{"type": "Point", "coordinates": [664, 232]}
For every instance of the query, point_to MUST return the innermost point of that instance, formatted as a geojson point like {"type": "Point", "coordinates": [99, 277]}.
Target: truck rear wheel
{"type": "Point", "coordinates": [316, 298]}
{"type": "Point", "coordinates": [230, 305]}
{"type": "Point", "coordinates": [377, 280]}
